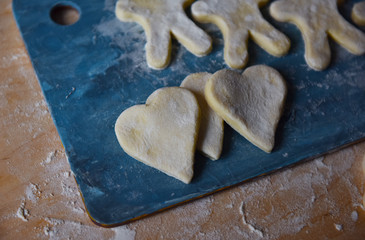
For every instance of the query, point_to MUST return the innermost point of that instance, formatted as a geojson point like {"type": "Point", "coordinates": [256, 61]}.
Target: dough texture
{"type": "Point", "coordinates": [250, 103]}
{"type": "Point", "coordinates": [160, 19]}
{"type": "Point", "coordinates": [163, 132]}
{"type": "Point", "coordinates": [316, 19]}
{"type": "Point", "coordinates": [237, 20]}
{"type": "Point", "coordinates": [210, 138]}
{"type": "Point", "coordinates": [358, 13]}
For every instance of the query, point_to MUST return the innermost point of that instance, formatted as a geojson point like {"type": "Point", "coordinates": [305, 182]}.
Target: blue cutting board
{"type": "Point", "coordinates": [94, 69]}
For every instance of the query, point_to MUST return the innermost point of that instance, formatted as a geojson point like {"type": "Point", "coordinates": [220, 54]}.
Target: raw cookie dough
{"type": "Point", "coordinates": [316, 19]}
{"type": "Point", "coordinates": [163, 132]}
{"type": "Point", "coordinates": [239, 19]}
{"type": "Point", "coordinates": [250, 103]}
{"type": "Point", "coordinates": [210, 138]}
{"type": "Point", "coordinates": [358, 13]}
{"type": "Point", "coordinates": [160, 19]}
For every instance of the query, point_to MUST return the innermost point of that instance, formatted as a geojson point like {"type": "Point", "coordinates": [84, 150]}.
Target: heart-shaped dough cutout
{"type": "Point", "coordinates": [210, 138]}
{"type": "Point", "coordinates": [358, 13]}
{"type": "Point", "coordinates": [250, 103]}
{"type": "Point", "coordinates": [163, 132]}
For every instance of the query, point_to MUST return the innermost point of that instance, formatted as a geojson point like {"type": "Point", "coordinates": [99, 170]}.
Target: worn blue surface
{"type": "Point", "coordinates": [91, 71]}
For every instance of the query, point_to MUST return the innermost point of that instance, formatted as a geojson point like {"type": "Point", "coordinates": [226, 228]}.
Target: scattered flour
{"type": "Point", "coordinates": [250, 226]}
{"type": "Point", "coordinates": [61, 229]}
{"type": "Point", "coordinates": [49, 158]}
{"type": "Point", "coordinates": [22, 212]}
{"type": "Point", "coordinates": [57, 226]}
{"type": "Point", "coordinates": [194, 220]}
{"type": "Point", "coordinates": [123, 233]}
{"type": "Point", "coordinates": [309, 191]}
{"type": "Point", "coordinates": [246, 202]}
{"type": "Point", "coordinates": [32, 192]}
{"type": "Point", "coordinates": [259, 210]}
{"type": "Point", "coordinates": [67, 174]}
{"type": "Point", "coordinates": [338, 227]}
{"type": "Point", "coordinates": [29, 193]}
{"type": "Point", "coordinates": [67, 190]}
{"type": "Point", "coordinates": [354, 216]}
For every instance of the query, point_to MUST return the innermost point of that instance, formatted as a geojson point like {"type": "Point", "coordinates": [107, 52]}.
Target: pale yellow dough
{"type": "Point", "coordinates": [160, 19]}
{"type": "Point", "coordinates": [250, 103]}
{"type": "Point", "coordinates": [163, 132]}
{"type": "Point", "coordinates": [358, 13]}
{"type": "Point", "coordinates": [316, 19]}
{"type": "Point", "coordinates": [238, 20]}
{"type": "Point", "coordinates": [210, 138]}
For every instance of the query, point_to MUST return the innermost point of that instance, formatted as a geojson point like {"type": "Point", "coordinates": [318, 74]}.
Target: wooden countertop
{"type": "Point", "coordinates": [319, 199]}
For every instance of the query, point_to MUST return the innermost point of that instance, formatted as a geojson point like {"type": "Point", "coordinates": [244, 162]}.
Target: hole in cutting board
{"type": "Point", "coordinates": [65, 14]}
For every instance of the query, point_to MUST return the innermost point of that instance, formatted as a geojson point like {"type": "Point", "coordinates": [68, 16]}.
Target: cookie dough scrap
{"type": "Point", "coordinates": [163, 132]}
{"type": "Point", "coordinates": [210, 138]}
{"type": "Point", "coordinates": [358, 13]}
{"type": "Point", "coordinates": [238, 20]}
{"type": "Point", "coordinates": [251, 102]}
{"type": "Point", "coordinates": [316, 19]}
{"type": "Point", "coordinates": [160, 19]}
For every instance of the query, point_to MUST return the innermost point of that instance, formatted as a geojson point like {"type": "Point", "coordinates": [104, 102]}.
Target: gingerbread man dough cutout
{"type": "Point", "coordinates": [160, 19]}
{"type": "Point", "coordinates": [238, 20]}
{"type": "Point", "coordinates": [316, 20]}
{"type": "Point", "coordinates": [358, 13]}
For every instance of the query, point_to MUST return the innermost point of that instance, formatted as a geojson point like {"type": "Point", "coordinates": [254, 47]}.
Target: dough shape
{"type": "Point", "coordinates": [160, 19]}
{"type": "Point", "coordinates": [210, 137]}
{"type": "Point", "coordinates": [250, 103]}
{"type": "Point", "coordinates": [316, 19]}
{"type": "Point", "coordinates": [239, 19]}
{"type": "Point", "coordinates": [163, 132]}
{"type": "Point", "coordinates": [358, 13]}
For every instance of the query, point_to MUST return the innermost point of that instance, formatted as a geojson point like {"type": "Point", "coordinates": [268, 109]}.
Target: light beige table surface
{"type": "Point", "coordinates": [39, 199]}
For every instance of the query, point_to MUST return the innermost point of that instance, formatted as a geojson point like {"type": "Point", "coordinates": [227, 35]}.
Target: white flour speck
{"type": "Point", "coordinates": [123, 233]}
{"type": "Point", "coordinates": [22, 212]}
{"type": "Point", "coordinates": [49, 158]}
{"type": "Point", "coordinates": [354, 216]}
{"type": "Point", "coordinates": [338, 227]}
{"type": "Point", "coordinates": [32, 192]}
